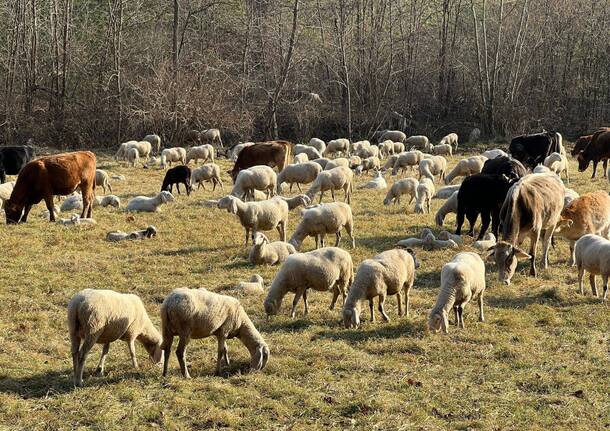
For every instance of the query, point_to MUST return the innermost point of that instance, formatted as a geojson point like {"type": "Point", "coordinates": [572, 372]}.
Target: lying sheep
{"type": "Point", "coordinates": [133, 157]}
{"type": "Point", "coordinates": [264, 252]}
{"type": "Point", "coordinates": [435, 165]}
{"type": "Point", "coordinates": [311, 152]}
{"type": "Point", "coordinates": [176, 176]}
{"type": "Point", "coordinates": [327, 269]}
{"type": "Point", "coordinates": [429, 242]}
{"type": "Point", "coordinates": [300, 158]}
{"type": "Point", "coordinates": [97, 316]}
{"type": "Point", "coordinates": [337, 178]}
{"type": "Point", "coordinates": [450, 206]}
{"type": "Point", "coordinates": [492, 154]}
{"type": "Point", "coordinates": [446, 235]}
{"type": "Point", "coordinates": [318, 144]}
{"type": "Point", "coordinates": [391, 272]}
{"type": "Point", "coordinates": [446, 192]}
{"type": "Point", "coordinates": [255, 286]}
{"type": "Point", "coordinates": [102, 179]}
{"type": "Point", "coordinates": [425, 191]}
{"type": "Point", "coordinates": [173, 155]}
{"type": "Point", "coordinates": [304, 173]}
{"type": "Point", "coordinates": [407, 186]}
{"type": "Point", "coordinates": [75, 220]}
{"type": "Point", "coordinates": [337, 146]}
{"type": "Point", "coordinates": [319, 220]}
{"type": "Point", "coordinates": [5, 191]}
{"type": "Point", "coordinates": [442, 150]}
{"type": "Point", "coordinates": [208, 172]}
{"type": "Point", "coordinates": [451, 139]}
{"type": "Point", "coordinates": [488, 241]}
{"type": "Point", "coordinates": [75, 202]}
{"type": "Point", "coordinates": [205, 152]}
{"type": "Point", "coordinates": [592, 254]}
{"type": "Point", "coordinates": [462, 279]}
{"type": "Point", "coordinates": [407, 160]}
{"type": "Point", "coordinates": [465, 167]}
{"type": "Point", "coordinates": [199, 313]}
{"type": "Point", "coordinates": [410, 242]}
{"type": "Point", "coordinates": [417, 141]}
{"type": "Point", "coordinates": [155, 142]}
{"type": "Point", "coordinates": [340, 161]}
{"type": "Point", "coordinates": [377, 183]}
{"type": "Point", "coordinates": [558, 163]}
{"type": "Point", "coordinates": [118, 235]}
{"type": "Point", "coordinates": [118, 177]}
{"type": "Point", "coordinates": [146, 204]}
{"type": "Point", "coordinates": [259, 177]}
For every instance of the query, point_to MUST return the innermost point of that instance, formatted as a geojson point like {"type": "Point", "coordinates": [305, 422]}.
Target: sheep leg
{"type": "Point", "coordinates": [399, 302]}
{"type": "Point", "coordinates": [180, 351]}
{"type": "Point", "coordinates": [88, 343]}
{"type": "Point", "coordinates": [461, 314]}
{"type": "Point", "coordinates": [100, 366]}
{"type": "Point", "coordinates": [335, 296]}
{"type": "Point", "coordinates": [305, 302]}
{"type": "Point", "coordinates": [223, 354]}
{"type": "Point", "coordinates": [332, 194]}
{"type": "Point", "coordinates": [534, 243]}
{"type": "Point", "coordinates": [247, 235]}
{"type": "Point", "coordinates": [321, 194]}
{"type": "Point", "coordinates": [381, 309]}
{"type": "Point", "coordinates": [109, 188]}
{"type": "Point", "coordinates": [481, 315]}
{"type": "Point", "coordinates": [281, 228]}
{"type": "Point", "coordinates": [407, 299]}
{"type": "Point", "coordinates": [593, 286]}
{"type": "Point", "coordinates": [132, 352]}
{"type": "Point", "coordinates": [485, 219]}
{"type": "Point", "coordinates": [349, 227]}
{"type": "Point", "coordinates": [75, 345]}
{"type": "Point", "coordinates": [322, 239]}
{"type": "Point", "coordinates": [457, 315]}
{"type": "Point", "coordinates": [167, 348]}
{"type": "Point", "coordinates": [295, 301]}
{"type": "Point", "coordinates": [581, 273]}
{"type": "Point", "coordinates": [372, 308]}
{"type": "Point", "coordinates": [338, 235]}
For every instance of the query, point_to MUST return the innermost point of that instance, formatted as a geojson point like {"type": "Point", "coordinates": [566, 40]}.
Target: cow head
{"type": "Point", "coordinates": [13, 212]}
{"type": "Point", "coordinates": [583, 162]}
{"type": "Point", "coordinates": [506, 257]}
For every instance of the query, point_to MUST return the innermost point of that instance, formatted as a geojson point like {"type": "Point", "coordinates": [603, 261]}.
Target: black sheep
{"type": "Point", "coordinates": [177, 175]}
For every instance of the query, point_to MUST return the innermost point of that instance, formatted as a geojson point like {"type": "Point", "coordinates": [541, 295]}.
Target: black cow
{"type": "Point", "coordinates": [177, 175]}
{"type": "Point", "coordinates": [503, 165]}
{"type": "Point", "coordinates": [13, 159]}
{"type": "Point", "coordinates": [531, 150]}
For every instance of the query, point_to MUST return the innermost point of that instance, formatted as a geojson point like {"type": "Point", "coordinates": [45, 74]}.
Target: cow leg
{"type": "Point", "coordinates": [459, 221]}
{"type": "Point", "coordinates": [534, 244]}
{"type": "Point", "coordinates": [546, 244]}
{"type": "Point", "coordinates": [605, 164]}
{"type": "Point", "coordinates": [26, 211]}
{"type": "Point", "coordinates": [472, 220]}
{"type": "Point", "coordinates": [48, 200]}
{"type": "Point", "coordinates": [593, 286]}
{"type": "Point", "coordinates": [495, 221]}
{"type": "Point", "coordinates": [485, 218]}
{"type": "Point", "coordinates": [594, 168]}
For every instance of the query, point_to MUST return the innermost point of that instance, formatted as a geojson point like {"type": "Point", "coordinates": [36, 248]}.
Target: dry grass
{"type": "Point", "coordinates": [540, 361]}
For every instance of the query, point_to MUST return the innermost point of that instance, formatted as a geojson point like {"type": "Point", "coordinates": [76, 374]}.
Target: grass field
{"type": "Point", "coordinates": [540, 361]}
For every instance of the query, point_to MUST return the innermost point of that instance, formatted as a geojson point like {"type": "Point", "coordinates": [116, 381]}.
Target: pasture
{"type": "Point", "coordinates": [541, 359]}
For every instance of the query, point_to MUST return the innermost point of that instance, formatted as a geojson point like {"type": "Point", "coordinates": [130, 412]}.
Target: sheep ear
{"type": "Point", "coordinates": [487, 254]}
{"type": "Point", "coordinates": [520, 254]}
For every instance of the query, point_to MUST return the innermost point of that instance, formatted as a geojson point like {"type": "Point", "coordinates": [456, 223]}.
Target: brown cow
{"type": "Point", "coordinates": [272, 153]}
{"type": "Point", "coordinates": [580, 144]}
{"type": "Point", "coordinates": [48, 176]}
{"type": "Point", "coordinates": [598, 150]}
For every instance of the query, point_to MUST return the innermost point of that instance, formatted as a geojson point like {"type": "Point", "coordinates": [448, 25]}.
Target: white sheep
{"type": "Point", "coordinates": [450, 139]}
{"type": "Point", "coordinates": [462, 279]}
{"type": "Point", "coordinates": [318, 144]}
{"type": "Point", "coordinates": [102, 179]}
{"type": "Point", "coordinates": [446, 192]}
{"type": "Point", "coordinates": [359, 145]}
{"type": "Point", "coordinates": [205, 152]}
{"type": "Point", "coordinates": [366, 152]}
{"type": "Point", "coordinates": [144, 149]}
{"type": "Point", "coordinates": [593, 255]}
{"type": "Point", "coordinates": [558, 163]}
{"type": "Point", "coordinates": [492, 154]}
{"type": "Point", "coordinates": [75, 220]}
{"type": "Point", "coordinates": [264, 252]}
{"type": "Point", "coordinates": [410, 242]}
{"type": "Point", "coordinates": [407, 186]}
{"type": "Point", "coordinates": [442, 149]}
{"type": "Point", "coordinates": [398, 147]}
{"type": "Point", "coordinates": [259, 177]}
{"type": "Point", "coordinates": [207, 172]}
{"type": "Point", "coordinates": [541, 169]}
{"type": "Point", "coordinates": [340, 161]}
{"type": "Point", "coordinates": [75, 202]}
{"type": "Point", "coordinates": [386, 148]}
{"type": "Point", "coordinates": [389, 163]}
{"type": "Point", "coordinates": [446, 235]}
{"type": "Point", "coordinates": [311, 152]}
{"type": "Point", "coordinates": [450, 206]}
{"type": "Point", "coordinates": [429, 242]}
{"type": "Point", "coordinates": [337, 178]}
{"type": "Point", "coordinates": [377, 183]}
{"type": "Point", "coordinates": [337, 146]}
{"type": "Point", "coordinates": [5, 191]}
{"type": "Point", "coordinates": [121, 152]}
{"type": "Point", "coordinates": [118, 235]}
{"type": "Point", "coordinates": [417, 141]}
{"type": "Point", "coordinates": [133, 157]}
{"type": "Point", "coordinates": [406, 160]}
{"type": "Point", "coordinates": [118, 177]}
{"type": "Point", "coordinates": [300, 158]}
{"type": "Point", "coordinates": [425, 191]}
{"type": "Point", "coordinates": [319, 220]}
{"type": "Point", "coordinates": [304, 173]}
{"type": "Point", "coordinates": [255, 286]}
{"type": "Point", "coordinates": [465, 167]}
{"type": "Point", "coordinates": [391, 272]}
{"type": "Point", "coordinates": [155, 142]}
{"type": "Point", "coordinates": [328, 269]}
{"type": "Point", "coordinates": [199, 313]}
{"type": "Point", "coordinates": [98, 316]}
{"type": "Point", "coordinates": [489, 240]}
{"type": "Point", "coordinates": [370, 163]}
{"type": "Point", "coordinates": [435, 165]}
{"type": "Point", "coordinates": [173, 155]}
{"type": "Point", "coordinates": [568, 196]}
{"type": "Point", "coordinates": [323, 161]}
{"type": "Point", "coordinates": [146, 204]}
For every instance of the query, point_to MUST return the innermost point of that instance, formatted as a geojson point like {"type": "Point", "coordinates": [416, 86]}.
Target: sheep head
{"type": "Point", "coordinates": [260, 356]}
{"type": "Point", "coordinates": [351, 317]}
{"type": "Point", "coordinates": [438, 321]}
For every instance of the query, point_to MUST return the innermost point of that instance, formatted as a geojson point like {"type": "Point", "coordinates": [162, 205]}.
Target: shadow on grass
{"type": "Point", "coordinates": [275, 324]}
{"type": "Point", "coordinates": [551, 296]}
{"type": "Point", "coordinates": [376, 330]}
{"type": "Point", "coordinates": [191, 250]}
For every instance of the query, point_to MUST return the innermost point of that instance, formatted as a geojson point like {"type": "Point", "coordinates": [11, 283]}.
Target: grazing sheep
{"type": "Point", "coordinates": [592, 254]}
{"type": "Point", "coordinates": [451, 139]}
{"type": "Point", "coordinates": [171, 155]}
{"type": "Point", "coordinates": [205, 152]}
{"type": "Point", "coordinates": [133, 157]}
{"type": "Point", "coordinates": [359, 145]}
{"type": "Point", "coordinates": [406, 160]}
{"type": "Point", "coordinates": [377, 183]}
{"type": "Point", "coordinates": [465, 167]}
{"type": "Point", "coordinates": [102, 179]}
{"type": "Point", "coordinates": [322, 162]}
{"type": "Point", "coordinates": [118, 235]}
{"type": "Point", "coordinates": [425, 191]}
{"type": "Point", "coordinates": [300, 158]}
{"type": "Point", "coordinates": [103, 316]}
{"type": "Point", "coordinates": [368, 151]}
{"type": "Point", "coordinates": [319, 220]}
{"type": "Point", "coordinates": [450, 206]}
{"type": "Point", "coordinates": [304, 173]}
{"type": "Point", "coordinates": [337, 146]}
{"type": "Point", "coordinates": [75, 202]}
{"type": "Point", "coordinates": [212, 136]}
{"type": "Point", "coordinates": [386, 148]}
{"type": "Point", "coordinates": [417, 141]}
{"type": "Point", "coordinates": [442, 149]}
{"type": "Point", "coordinates": [489, 240]}
{"type": "Point", "coordinates": [392, 135]}
{"type": "Point", "coordinates": [318, 144]}
{"type": "Point", "coordinates": [177, 175]}
{"type": "Point", "coordinates": [121, 153]}
{"type": "Point", "coordinates": [199, 313]}
{"type": "Point", "coordinates": [492, 154]}
{"type": "Point", "coordinates": [337, 178]}
{"type": "Point", "coordinates": [237, 149]}
{"type": "Point", "coordinates": [340, 161]}
{"type": "Point", "coordinates": [355, 161]}
{"type": "Point", "coordinates": [462, 279]}
{"type": "Point", "coordinates": [446, 235]}
{"type": "Point", "coordinates": [264, 252]}
{"type": "Point", "coordinates": [398, 147]}
{"type": "Point", "coordinates": [146, 204]}
{"type": "Point", "coordinates": [589, 213]}
{"type": "Point", "coordinates": [446, 192]}
{"type": "Point", "coordinates": [327, 269]}
{"type": "Point", "coordinates": [259, 177]}
{"type": "Point", "coordinates": [408, 186]}
{"type": "Point", "coordinates": [311, 152]}
{"type": "Point", "coordinates": [256, 285]}
{"type": "Point", "coordinates": [558, 163]}
{"type": "Point", "coordinates": [391, 272]}
{"type": "Point", "coordinates": [389, 164]}
{"type": "Point", "coordinates": [144, 149]}
{"type": "Point", "coordinates": [369, 164]}
{"type": "Point", "coordinates": [155, 142]}
{"type": "Point", "coordinates": [207, 172]}
{"type": "Point", "coordinates": [435, 165]}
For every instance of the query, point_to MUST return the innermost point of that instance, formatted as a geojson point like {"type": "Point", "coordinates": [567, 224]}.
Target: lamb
{"type": "Point", "coordinates": [205, 152]}
{"type": "Point", "coordinates": [75, 202]}
{"type": "Point", "coordinates": [442, 149]}
{"type": "Point", "coordinates": [435, 165]}
{"type": "Point", "coordinates": [318, 144]}
{"type": "Point", "coordinates": [465, 167]}
{"type": "Point", "coordinates": [451, 139]}
{"type": "Point", "coordinates": [326, 269]}
{"type": "Point", "coordinates": [337, 178]}
{"type": "Point", "coordinates": [319, 220]}
{"type": "Point", "coordinates": [558, 163]}
{"type": "Point", "coordinates": [122, 150]}
{"type": "Point", "coordinates": [446, 192]}
{"type": "Point", "coordinates": [332, 164]}
{"type": "Point", "coordinates": [300, 158]}
{"type": "Point", "coordinates": [337, 146]}
{"type": "Point", "coordinates": [199, 313]}
{"type": "Point", "coordinates": [155, 142]}
{"type": "Point", "coordinates": [97, 316]}
{"type": "Point", "coordinates": [450, 206]}
{"type": "Point", "coordinates": [425, 191]}
{"type": "Point", "coordinates": [409, 243]}
{"type": "Point", "coordinates": [492, 154]}
{"type": "Point", "coordinates": [265, 253]}
{"type": "Point", "coordinates": [171, 155]}
{"type": "Point", "coordinates": [133, 157]}
{"type": "Point", "coordinates": [418, 141]}
{"type": "Point", "coordinates": [76, 220]}
{"type": "Point", "coordinates": [146, 204]}
{"type": "Point", "coordinates": [259, 177]}
{"type": "Point", "coordinates": [117, 235]}
{"type": "Point", "coordinates": [256, 285]}
{"type": "Point", "coordinates": [369, 163]}
{"type": "Point", "coordinates": [102, 179]}
{"type": "Point", "coordinates": [322, 162]}
{"type": "Point", "coordinates": [311, 152]}
{"type": "Point", "coordinates": [462, 279]}
{"type": "Point", "coordinates": [408, 186]}
{"type": "Point", "coordinates": [391, 272]}
{"type": "Point", "coordinates": [406, 160]}
{"type": "Point", "coordinates": [593, 255]}
{"type": "Point", "coordinates": [429, 242]}
{"type": "Point", "coordinates": [489, 240]}
{"type": "Point", "coordinates": [177, 175]}
{"type": "Point", "coordinates": [377, 183]}
{"type": "Point", "coordinates": [446, 235]}
{"type": "Point", "coordinates": [304, 173]}
{"type": "Point", "coordinates": [207, 172]}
